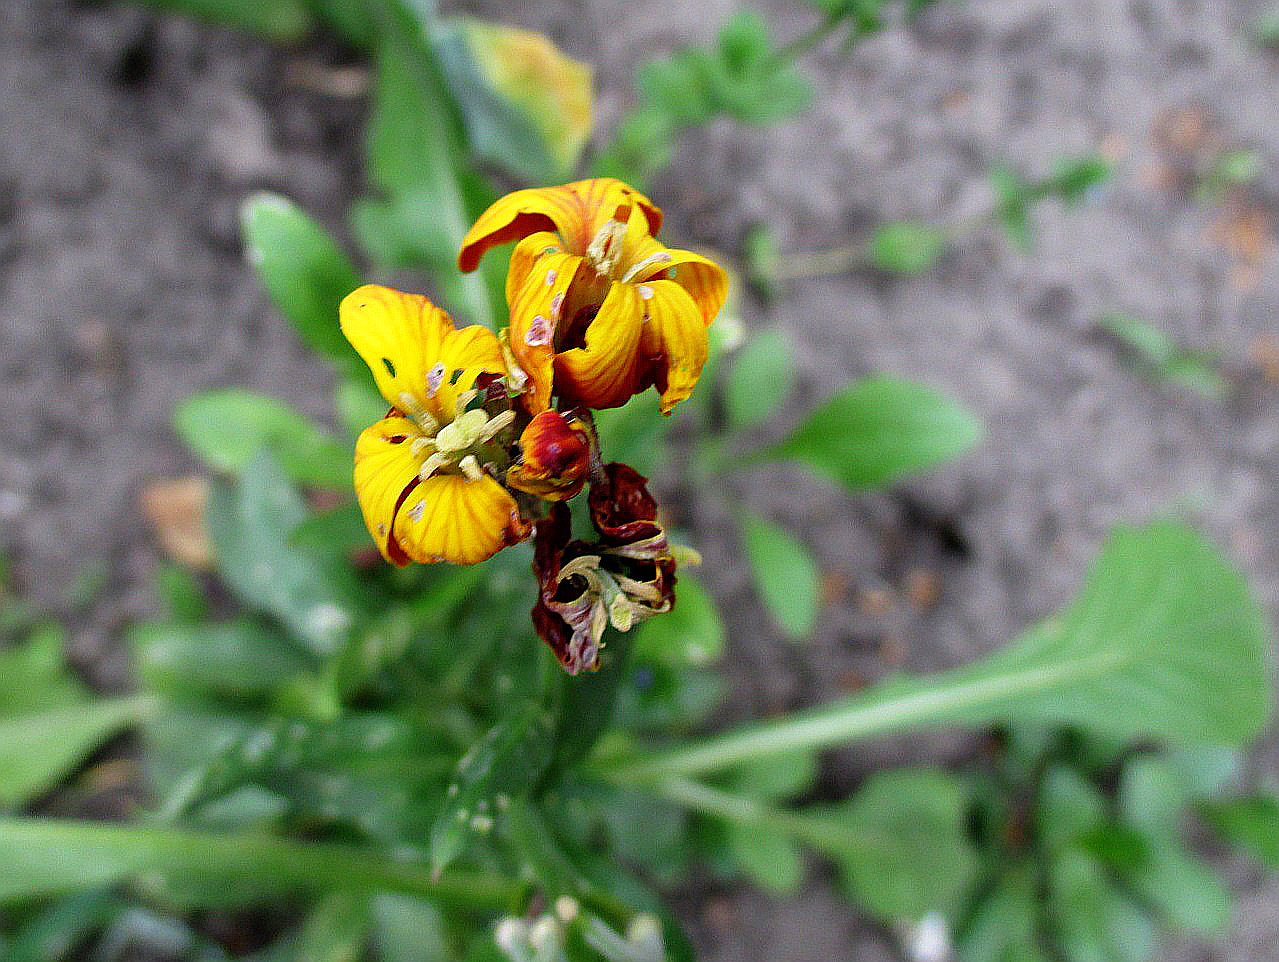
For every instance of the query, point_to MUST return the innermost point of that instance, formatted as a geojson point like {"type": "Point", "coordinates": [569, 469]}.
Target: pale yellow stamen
{"type": "Point", "coordinates": [605, 249]}
{"type": "Point", "coordinates": [471, 468]}
{"type": "Point", "coordinates": [661, 257]}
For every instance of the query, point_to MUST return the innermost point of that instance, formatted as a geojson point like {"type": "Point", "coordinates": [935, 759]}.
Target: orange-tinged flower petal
{"type": "Point", "coordinates": [704, 280]}
{"type": "Point", "coordinates": [603, 373]}
{"type": "Point", "coordinates": [447, 517]}
{"type": "Point", "coordinates": [526, 254]}
{"type": "Point", "coordinates": [576, 211]}
{"type": "Point", "coordinates": [673, 339]}
{"type": "Point", "coordinates": [418, 358]}
{"type": "Point", "coordinates": [536, 311]}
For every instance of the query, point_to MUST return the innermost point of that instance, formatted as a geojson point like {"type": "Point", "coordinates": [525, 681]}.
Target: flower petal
{"type": "Point", "coordinates": [449, 517]}
{"type": "Point", "coordinates": [673, 340]}
{"type": "Point", "coordinates": [577, 211]}
{"type": "Point", "coordinates": [603, 373]}
{"type": "Point", "coordinates": [536, 311]}
{"type": "Point", "coordinates": [386, 472]}
{"type": "Point", "coordinates": [704, 280]}
{"type": "Point", "coordinates": [414, 351]}
{"type": "Point", "coordinates": [526, 254]}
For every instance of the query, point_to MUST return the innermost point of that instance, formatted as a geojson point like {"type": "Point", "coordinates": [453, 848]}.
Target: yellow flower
{"type": "Point", "coordinates": [599, 309]}
{"type": "Point", "coordinates": [420, 472]}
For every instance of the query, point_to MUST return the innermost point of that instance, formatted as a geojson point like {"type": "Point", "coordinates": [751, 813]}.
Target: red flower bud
{"type": "Point", "coordinates": [556, 457]}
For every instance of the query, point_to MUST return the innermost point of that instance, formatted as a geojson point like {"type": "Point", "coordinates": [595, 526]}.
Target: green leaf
{"type": "Point", "coordinates": [46, 857]}
{"type": "Point", "coordinates": [235, 660]}
{"type": "Point", "coordinates": [906, 247]}
{"type": "Point", "coordinates": [691, 633]}
{"type": "Point", "coordinates": [1003, 926]}
{"type": "Point", "coordinates": [1163, 360]}
{"type": "Point", "coordinates": [280, 20]}
{"type": "Point", "coordinates": [768, 856]}
{"type": "Point", "coordinates": [878, 430]}
{"type": "Point", "coordinates": [786, 575]}
{"type": "Point", "coordinates": [678, 89]}
{"type": "Point", "coordinates": [1075, 177]}
{"type": "Point", "coordinates": [37, 749]}
{"type": "Point", "coordinates": [1153, 796]}
{"type": "Point", "coordinates": [588, 704]}
{"type": "Point", "coordinates": [250, 525]}
{"type": "Point", "coordinates": [34, 675]}
{"type": "Point", "coordinates": [413, 142]}
{"type": "Point", "coordinates": [55, 932]}
{"type": "Point", "coordinates": [505, 763]}
{"type": "Point", "coordinates": [335, 929]}
{"type": "Point", "coordinates": [1265, 29]}
{"type": "Point", "coordinates": [1069, 806]}
{"type": "Point", "coordinates": [226, 428]}
{"type": "Point", "coordinates": [776, 778]}
{"type": "Point", "coordinates": [1165, 640]}
{"type": "Point", "coordinates": [304, 272]}
{"type": "Point", "coordinates": [527, 106]}
{"type": "Point", "coordinates": [759, 380]}
{"type": "Point", "coordinates": [1012, 198]}
{"type": "Point", "coordinates": [901, 844]}
{"type": "Point", "coordinates": [1092, 921]}
{"type": "Point", "coordinates": [1251, 823]}
{"type": "Point", "coordinates": [409, 930]}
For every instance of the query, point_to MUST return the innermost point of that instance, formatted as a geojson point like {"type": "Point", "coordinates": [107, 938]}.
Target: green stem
{"type": "Point", "coordinates": [785, 55]}
{"type": "Point", "coordinates": [49, 856]}
{"type": "Point", "coordinates": [975, 697]}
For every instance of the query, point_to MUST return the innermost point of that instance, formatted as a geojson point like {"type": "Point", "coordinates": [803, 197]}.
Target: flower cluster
{"type": "Point", "coordinates": [488, 436]}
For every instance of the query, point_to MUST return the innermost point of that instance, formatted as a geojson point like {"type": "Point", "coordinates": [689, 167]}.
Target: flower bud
{"type": "Point", "coordinates": [556, 457]}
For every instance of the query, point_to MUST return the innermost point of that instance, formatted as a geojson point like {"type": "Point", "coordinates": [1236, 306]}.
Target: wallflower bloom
{"type": "Point", "coordinates": [422, 473]}
{"type": "Point", "coordinates": [599, 309]}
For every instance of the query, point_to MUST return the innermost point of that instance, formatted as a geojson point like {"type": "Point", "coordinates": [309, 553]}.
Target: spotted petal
{"type": "Point", "coordinates": [603, 373]}
{"type": "Point", "coordinates": [576, 211]}
{"type": "Point", "coordinates": [704, 280]}
{"type": "Point", "coordinates": [447, 517]}
{"type": "Point", "coordinates": [673, 340]}
{"type": "Point", "coordinates": [419, 360]}
{"type": "Point", "coordinates": [536, 311]}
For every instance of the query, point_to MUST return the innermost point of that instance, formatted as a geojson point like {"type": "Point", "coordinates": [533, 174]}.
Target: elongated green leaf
{"type": "Point", "coordinates": [314, 595]}
{"type": "Point", "coordinates": [878, 430]}
{"type": "Point", "coordinates": [38, 749]}
{"type": "Point", "coordinates": [505, 763]}
{"type": "Point", "coordinates": [226, 428]}
{"type": "Point", "coordinates": [50, 856]}
{"type": "Point", "coordinates": [304, 272]}
{"type": "Point", "coordinates": [237, 660]}
{"type": "Point", "coordinates": [414, 144]}
{"type": "Point", "coordinates": [527, 107]}
{"type": "Point", "coordinates": [786, 575]}
{"type": "Point", "coordinates": [1165, 640]}
{"type": "Point", "coordinates": [759, 380]}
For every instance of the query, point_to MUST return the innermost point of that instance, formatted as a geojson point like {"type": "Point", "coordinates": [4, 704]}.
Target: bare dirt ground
{"type": "Point", "coordinates": [130, 139]}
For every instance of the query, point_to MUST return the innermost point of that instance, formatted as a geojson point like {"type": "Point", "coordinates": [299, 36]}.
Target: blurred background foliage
{"type": "Point", "coordinates": [350, 761]}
